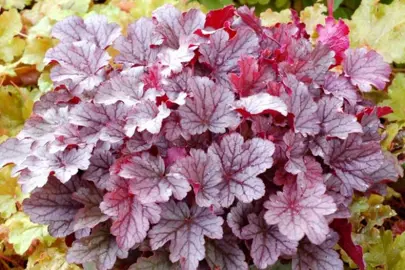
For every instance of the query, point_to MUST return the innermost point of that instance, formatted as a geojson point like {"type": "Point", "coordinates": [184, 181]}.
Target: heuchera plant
{"type": "Point", "coordinates": [203, 141]}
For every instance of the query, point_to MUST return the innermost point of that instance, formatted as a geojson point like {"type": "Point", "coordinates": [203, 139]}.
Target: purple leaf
{"type": "Point", "coordinates": [98, 171]}
{"type": "Point", "coordinates": [67, 163]}
{"type": "Point", "coordinates": [176, 86]}
{"type": "Point", "coordinates": [303, 107]}
{"type": "Point", "coordinates": [100, 247]}
{"type": "Point", "coordinates": [237, 217]}
{"type": "Point", "coordinates": [222, 54]}
{"type": "Point", "coordinates": [241, 163]}
{"type": "Point", "coordinates": [174, 25]}
{"type": "Point", "coordinates": [14, 151]}
{"type": "Point", "coordinates": [340, 87]}
{"type": "Point", "coordinates": [297, 146]}
{"type": "Point", "coordinates": [208, 109]}
{"type": "Point", "coordinates": [131, 218]}
{"type": "Point", "coordinates": [46, 126]}
{"type": "Point", "coordinates": [158, 261]}
{"type": "Point", "coordinates": [185, 229]}
{"type": "Point", "coordinates": [139, 47]}
{"type": "Point", "coordinates": [53, 205]}
{"type": "Point", "coordinates": [389, 170]}
{"type": "Point", "coordinates": [323, 256]}
{"type": "Point", "coordinates": [94, 29]}
{"type": "Point", "coordinates": [366, 69]}
{"type": "Point", "coordinates": [313, 66]}
{"type": "Point", "coordinates": [80, 62]}
{"type": "Point", "coordinates": [142, 141]}
{"type": "Point", "coordinates": [299, 212]}
{"type": "Point", "coordinates": [107, 120]}
{"type": "Point", "coordinates": [225, 254]}
{"type": "Point", "coordinates": [353, 161]}
{"type": "Point", "coordinates": [334, 122]}
{"type": "Point", "coordinates": [63, 165]}
{"type": "Point", "coordinates": [90, 215]}
{"type": "Point", "coordinates": [268, 243]}
{"type": "Point", "coordinates": [203, 174]}
{"type": "Point", "coordinates": [127, 87]}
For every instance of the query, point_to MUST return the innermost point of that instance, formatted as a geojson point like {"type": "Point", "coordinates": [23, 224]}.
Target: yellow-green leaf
{"type": "Point", "coordinates": [396, 100]}
{"type": "Point", "coordinates": [35, 52]}
{"type": "Point", "coordinates": [381, 27]}
{"type": "Point", "coordinates": [22, 232]}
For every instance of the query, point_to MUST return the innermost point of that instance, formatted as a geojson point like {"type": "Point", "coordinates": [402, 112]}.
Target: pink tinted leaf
{"type": "Point", "coordinates": [208, 109]}
{"type": "Point", "coordinates": [268, 243]}
{"type": "Point", "coordinates": [312, 175]}
{"type": "Point", "coordinates": [353, 161]}
{"type": "Point", "coordinates": [173, 25]}
{"type": "Point", "coordinates": [146, 116]}
{"type": "Point", "coordinates": [313, 66]}
{"type": "Point", "coordinates": [366, 69]}
{"type": "Point", "coordinates": [390, 169]}
{"type": "Point", "coordinates": [107, 120]}
{"type": "Point", "coordinates": [261, 103]}
{"type": "Point", "coordinates": [79, 62]}
{"type": "Point", "coordinates": [99, 169]}
{"type": "Point", "coordinates": [95, 29]}
{"type": "Point", "coordinates": [241, 163]}
{"type": "Point", "coordinates": [176, 86]}
{"type": "Point", "coordinates": [318, 257]}
{"type": "Point", "coordinates": [53, 205]}
{"type": "Point", "coordinates": [222, 54]}
{"type": "Point", "coordinates": [371, 125]}
{"type": "Point", "coordinates": [237, 217]}
{"type": "Point", "coordinates": [14, 151]}
{"type": "Point", "coordinates": [131, 218]}
{"type": "Point", "coordinates": [45, 127]}
{"type": "Point", "coordinates": [303, 107]}
{"type": "Point", "coordinates": [253, 77]}
{"type": "Point", "coordinates": [90, 215]}
{"type": "Point", "coordinates": [335, 35]}
{"type": "Point", "coordinates": [67, 163]}
{"type": "Point", "coordinates": [100, 247]}
{"type": "Point", "coordinates": [248, 17]}
{"type": "Point", "coordinates": [301, 211]}
{"type": "Point", "coordinates": [203, 174]}
{"type": "Point", "coordinates": [127, 87]}
{"type": "Point", "coordinates": [172, 60]}
{"type": "Point", "coordinates": [297, 146]}
{"type": "Point", "coordinates": [339, 86]}
{"type": "Point", "coordinates": [334, 122]}
{"type": "Point", "coordinates": [225, 254]}
{"type": "Point", "coordinates": [158, 261]}
{"type": "Point", "coordinates": [138, 48]}
{"type": "Point", "coordinates": [142, 141]}
{"type": "Point", "coordinates": [185, 229]}
{"type": "Point", "coordinates": [30, 180]}
{"type": "Point", "coordinates": [149, 180]}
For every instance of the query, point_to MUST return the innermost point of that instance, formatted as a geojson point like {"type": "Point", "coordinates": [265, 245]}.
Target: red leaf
{"type": "Point", "coordinates": [344, 228]}
{"type": "Point", "coordinates": [217, 18]}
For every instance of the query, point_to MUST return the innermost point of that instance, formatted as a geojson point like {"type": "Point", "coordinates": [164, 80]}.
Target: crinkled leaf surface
{"type": "Point", "coordinates": [185, 228]}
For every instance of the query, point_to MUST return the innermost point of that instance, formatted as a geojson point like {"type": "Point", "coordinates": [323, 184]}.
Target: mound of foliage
{"type": "Point", "coordinates": [25, 36]}
{"type": "Point", "coordinates": [203, 141]}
